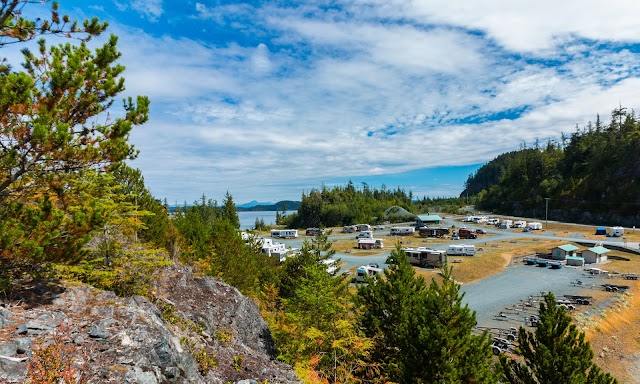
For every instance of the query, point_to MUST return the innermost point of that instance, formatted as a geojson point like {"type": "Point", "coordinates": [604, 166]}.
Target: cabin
{"type": "Point", "coordinates": [424, 220]}
{"type": "Point", "coordinates": [284, 233]}
{"type": "Point", "coordinates": [425, 257]}
{"type": "Point", "coordinates": [370, 244]}
{"type": "Point", "coordinates": [461, 250]}
{"type": "Point", "coordinates": [402, 231]}
{"type": "Point", "coordinates": [561, 252]}
{"type": "Point", "coordinates": [595, 255]}
{"type": "Point", "coordinates": [575, 261]}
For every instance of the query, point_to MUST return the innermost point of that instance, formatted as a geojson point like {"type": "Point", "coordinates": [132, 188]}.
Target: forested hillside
{"type": "Point", "coordinates": [350, 205]}
{"type": "Point", "coordinates": [590, 176]}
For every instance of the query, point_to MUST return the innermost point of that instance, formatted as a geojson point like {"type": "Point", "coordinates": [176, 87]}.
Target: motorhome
{"type": "Point", "coordinates": [519, 224]}
{"type": "Point", "coordinates": [506, 224]}
{"type": "Point", "coordinates": [284, 233]}
{"type": "Point", "coordinates": [480, 219]}
{"type": "Point", "coordinates": [363, 227]}
{"type": "Point", "coordinates": [332, 266]}
{"type": "Point", "coordinates": [367, 271]}
{"type": "Point", "coordinates": [461, 250]}
{"type": "Point", "coordinates": [535, 226]}
{"type": "Point", "coordinates": [425, 257]}
{"type": "Point", "coordinates": [365, 235]}
{"type": "Point", "coordinates": [493, 221]}
{"type": "Point", "coordinates": [402, 231]}
{"type": "Point", "coordinates": [271, 248]}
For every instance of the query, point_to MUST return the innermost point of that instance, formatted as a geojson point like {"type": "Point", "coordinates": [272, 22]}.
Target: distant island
{"type": "Point", "coordinates": [287, 205]}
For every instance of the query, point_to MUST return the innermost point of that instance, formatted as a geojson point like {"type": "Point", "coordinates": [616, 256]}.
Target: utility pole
{"type": "Point", "coordinates": [546, 212]}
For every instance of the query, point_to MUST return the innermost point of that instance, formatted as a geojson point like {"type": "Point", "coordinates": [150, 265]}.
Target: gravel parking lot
{"type": "Point", "coordinates": [490, 296]}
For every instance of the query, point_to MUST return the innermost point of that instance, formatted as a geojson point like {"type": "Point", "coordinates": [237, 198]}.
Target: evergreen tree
{"type": "Point", "coordinates": [555, 353]}
{"type": "Point", "coordinates": [423, 333]}
{"type": "Point", "coordinates": [229, 211]}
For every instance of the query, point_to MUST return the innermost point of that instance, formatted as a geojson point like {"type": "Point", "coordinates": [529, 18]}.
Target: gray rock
{"type": "Point", "coordinates": [247, 381]}
{"type": "Point", "coordinates": [98, 333]}
{"type": "Point", "coordinates": [22, 329]}
{"type": "Point", "coordinates": [12, 371]}
{"type": "Point", "coordinates": [8, 348]}
{"type": "Point", "coordinates": [23, 344]}
{"type": "Point", "coordinates": [78, 340]}
{"type": "Point", "coordinates": [4, 312]}
{"type": "Point", "coordinates": [138, 376]}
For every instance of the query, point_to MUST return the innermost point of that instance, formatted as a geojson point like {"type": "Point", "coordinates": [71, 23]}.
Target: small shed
{"type": "Point", "coordinates": [370, 243]}
{"type": "Point", "coordinates": [575, 261]}
{"type": "Point", "coordinates": [561, 252]}
{"type": "Point", "coordinates": [597, 254]}
{"type": "Point", "coordinates": [428, 220]}
{"type": "Point", "coordinates": [601, 231]}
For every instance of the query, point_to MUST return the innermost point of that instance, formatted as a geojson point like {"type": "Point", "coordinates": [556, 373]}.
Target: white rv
{"type": "Point", "coordinates": [402, 231]}
{"type": "Point", "coordinates": [480, 219]}
{"type": "Point", "coordinates": [367, 271]}
{"type": "Point", "coordinates": [506, 224]}
{"type": "Point", "coordinates": [535, 226]}
{"type": "Point", "coordinates": [493, 221]}
{"type": "Point", "coordinates": [363, 227]}
{"type": "Point", "coordinates": [519, 224]}
{"type": "Point", "coordinates": [616, 231]}
{"type": "Point", "coordinates": [284, 233]}
{"type": "Point", "coordinates": [461, 250]}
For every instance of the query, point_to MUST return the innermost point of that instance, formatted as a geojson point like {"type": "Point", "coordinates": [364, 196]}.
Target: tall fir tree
{"type": "Point", "coordinates": [555, 353]}
{"type": "Point", "coordinates": [229, 211]}
{"type": "Point", "coordinates": [423, 333]}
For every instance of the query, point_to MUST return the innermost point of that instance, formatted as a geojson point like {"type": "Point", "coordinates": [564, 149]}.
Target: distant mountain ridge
{"type": "Point", "coordinates": [252, 204]}
{"type": "Point", "coordinates": [288, 206]}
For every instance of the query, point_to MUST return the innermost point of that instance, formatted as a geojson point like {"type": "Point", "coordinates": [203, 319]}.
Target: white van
{"type": "Point", "coordinates": [461, 250]}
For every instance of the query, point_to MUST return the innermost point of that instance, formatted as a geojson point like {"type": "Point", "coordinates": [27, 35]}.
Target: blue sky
{"type": "Point", "coordinates": [268, 99]}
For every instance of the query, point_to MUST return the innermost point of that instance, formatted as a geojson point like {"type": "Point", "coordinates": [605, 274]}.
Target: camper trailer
{"type": "Point", "coordinates": [402, 231]}
{"type": "Point", "coordinates": [284, 233]}
{"type": "Point", "coordinates": [506, 224]}
{"type": "Point", "coordinates": [535, 226]}
{"type": "Point", "coordinates": [426, 257]}
{"type": "Point", "coordinates": [519, 224]}
{"type": "Point", "coordinates": [461, 250]}
{"type": "Point", "coordinates": [363, 227]}
{"type": "Point", "coordinates": [493, 221]}
{"type": "Point", "coordinates": [367, 271]}
{"type": "Point", "coordinates": [616, 231]}
{"type": "Point", "coordinates": [433, 232]}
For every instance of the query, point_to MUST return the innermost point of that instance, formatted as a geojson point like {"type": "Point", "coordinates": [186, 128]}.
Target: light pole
{"type": "Point", "coordinates": [546, 211]}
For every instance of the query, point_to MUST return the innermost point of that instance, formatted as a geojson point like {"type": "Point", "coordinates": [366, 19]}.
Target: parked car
{"type": "Point", "coordinates": [378, 228]}
{"type": "Point", "coordinates": [455, 237]}
{"type": "Point", "coordinates": [482, 231]}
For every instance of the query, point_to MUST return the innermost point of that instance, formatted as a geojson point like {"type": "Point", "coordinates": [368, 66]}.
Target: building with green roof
{"type": "Point", "coordinates": [594, 255]}
{"type": "Point", "coordinates": [561, 252]}
{"type": "Point", "coordinates": [428, 220]}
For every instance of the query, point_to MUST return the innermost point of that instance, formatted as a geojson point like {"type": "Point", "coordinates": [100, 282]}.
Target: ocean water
{"type": "Point", "coordinates": [248, 218]}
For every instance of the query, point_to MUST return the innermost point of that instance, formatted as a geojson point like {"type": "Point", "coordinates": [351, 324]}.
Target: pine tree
{"type": "Point", "coordinates": [423, 333]}
{"type": "Point", "coordinates": [556, 352]}
{"type": "Point", "coordinates": [229, 211]}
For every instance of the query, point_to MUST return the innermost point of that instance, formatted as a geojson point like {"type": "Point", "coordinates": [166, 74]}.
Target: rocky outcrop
{"type": "Point", "coordinates": [197, 330]}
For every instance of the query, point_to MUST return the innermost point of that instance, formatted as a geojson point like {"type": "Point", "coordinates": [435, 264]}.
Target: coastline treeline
{"type": "Point", "coordinates": [590, 176]}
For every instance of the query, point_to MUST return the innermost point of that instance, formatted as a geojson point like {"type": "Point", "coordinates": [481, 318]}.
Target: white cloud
{"type": "Point", "coordinates": [388, 87]}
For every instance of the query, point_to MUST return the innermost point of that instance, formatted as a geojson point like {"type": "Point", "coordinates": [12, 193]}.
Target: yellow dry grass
{"type": "Point", "coordinates": [614, 335]}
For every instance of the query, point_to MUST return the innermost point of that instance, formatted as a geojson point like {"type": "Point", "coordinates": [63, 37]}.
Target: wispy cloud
{"type": "Point", "coordinates": [267, 99]}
